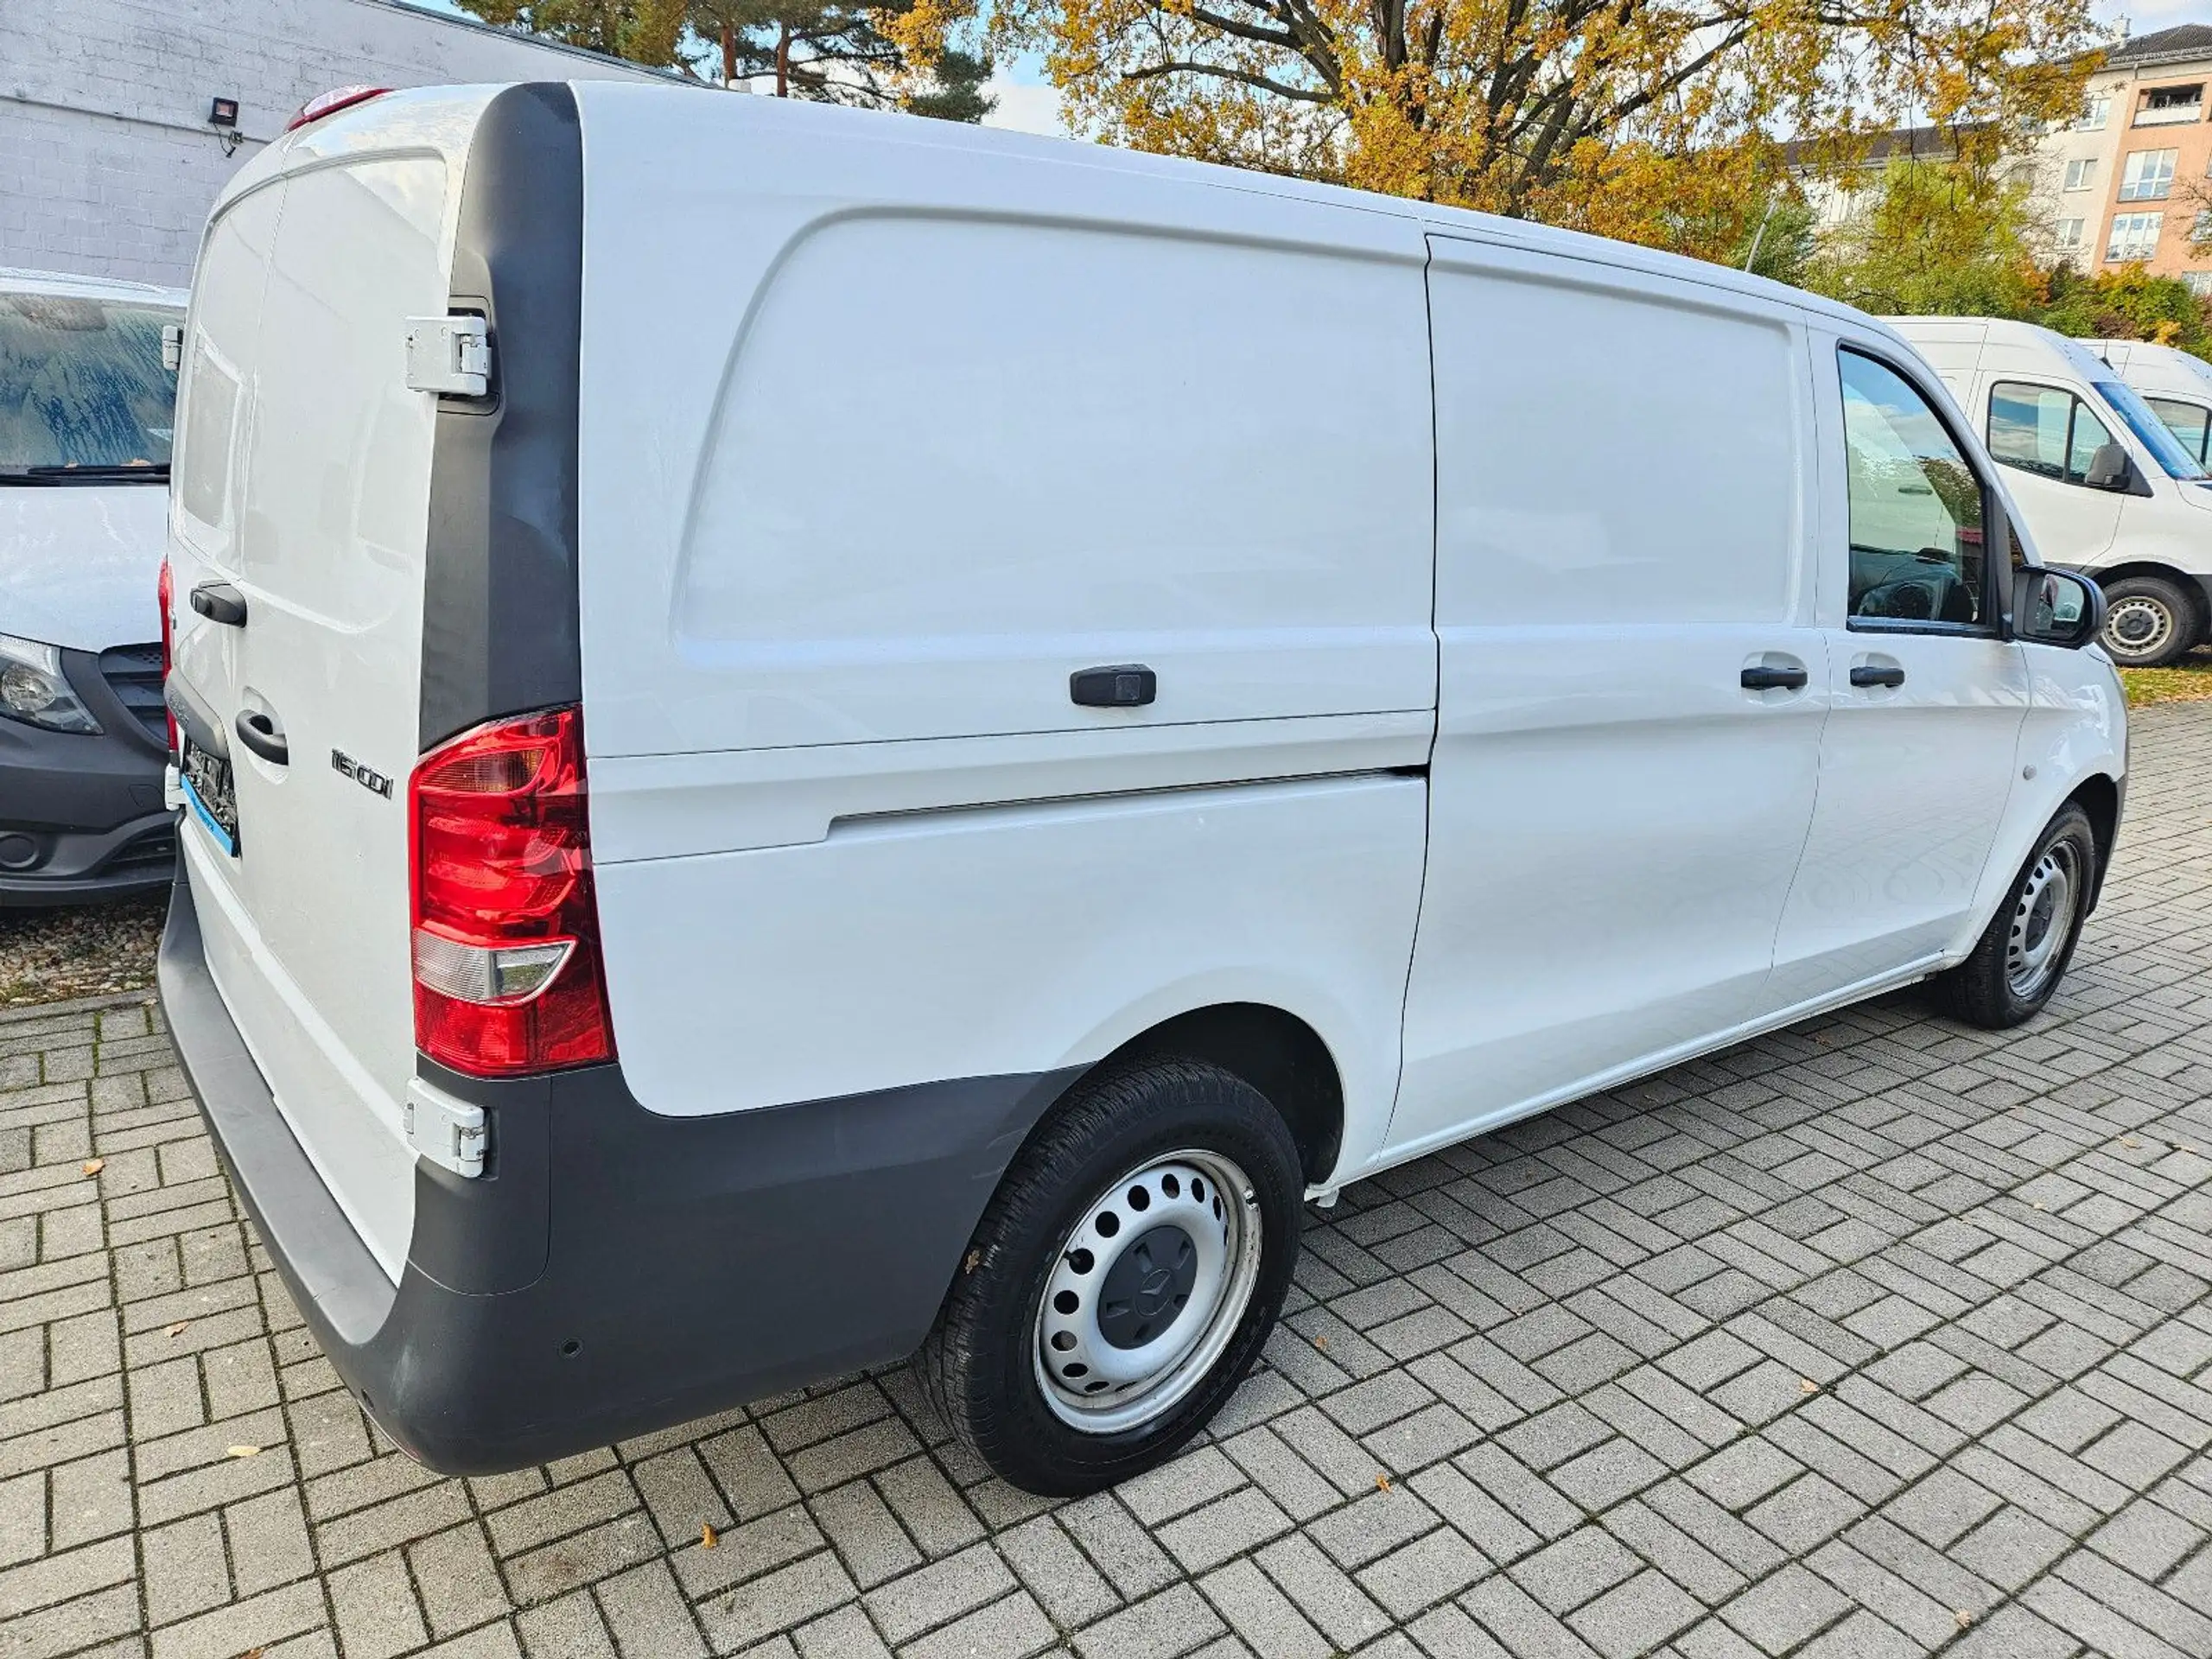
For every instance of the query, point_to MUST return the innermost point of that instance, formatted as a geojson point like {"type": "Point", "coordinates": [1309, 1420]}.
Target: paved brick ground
{"type": "Point", "coordinates": [1878, 1337]}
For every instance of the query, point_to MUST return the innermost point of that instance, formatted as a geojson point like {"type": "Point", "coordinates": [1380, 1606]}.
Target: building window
{"type": "Point", "coordinates": [2096, 113]}
{"type": "Point", "coordinates": [2135, 236]}
{"type": "Point", "coordinates": [2070, 235]}
{"type": "Point", "coordinates": [2200, 282]}
{"type": "Point", "coordinates": [2165, 106]}
{"type": "Point", "coordinates": [2149, 175]}
{"type": "Point", "coordinates": [2078, 173]}
{"type": "Point", "coordinates": [2200, 231]}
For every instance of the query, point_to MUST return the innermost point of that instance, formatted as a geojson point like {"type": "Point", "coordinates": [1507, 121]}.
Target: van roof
{"type": "Point", "coordinates": [354, 129]}
{"type": "Point", "coordinates": [15, 281]}
{"type": "Point", "coordinates": [2003, 331]}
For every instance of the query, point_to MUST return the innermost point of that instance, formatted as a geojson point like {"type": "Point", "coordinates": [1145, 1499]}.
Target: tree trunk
{"type": "Point", "coordinates": [729, 53]}
{"type": "Point", "coordinates": [783, 61]}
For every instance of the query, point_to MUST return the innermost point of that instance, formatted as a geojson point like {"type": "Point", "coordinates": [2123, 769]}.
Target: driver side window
{"type": "Point", "coordinates": [2044, 430]}
{"type": "Point", "coordinates": [1915, 506]}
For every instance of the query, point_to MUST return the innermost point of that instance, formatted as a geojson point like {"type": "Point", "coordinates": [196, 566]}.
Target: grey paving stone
{"type": "Point", "coordinates": [1554, 1406]}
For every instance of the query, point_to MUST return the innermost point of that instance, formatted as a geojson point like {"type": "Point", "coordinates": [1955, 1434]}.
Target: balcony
{"type": "Point", "coordinates": [2171, 115]}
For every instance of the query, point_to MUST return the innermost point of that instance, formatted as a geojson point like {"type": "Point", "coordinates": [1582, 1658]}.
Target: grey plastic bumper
{"type": "Point", "coordinates": [613, 1271]}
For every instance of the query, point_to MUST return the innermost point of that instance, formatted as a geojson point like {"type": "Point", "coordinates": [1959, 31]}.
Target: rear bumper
{"type": "Point", "coordinates": [81, 814]}
{"type": "Point", "coordinates": [613, 1271]}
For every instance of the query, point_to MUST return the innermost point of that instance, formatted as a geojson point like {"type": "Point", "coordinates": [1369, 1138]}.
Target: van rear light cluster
{"type": "Point", "coordinates": [166, 590]}
{"type": "Point", "coordinates": [329, 103]}
{"type": "Point", "coordinates": [507, 971]}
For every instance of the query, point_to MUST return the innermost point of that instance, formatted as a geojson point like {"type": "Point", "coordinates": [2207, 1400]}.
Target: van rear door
{"type": "Point", "coordinates": [304, 491]}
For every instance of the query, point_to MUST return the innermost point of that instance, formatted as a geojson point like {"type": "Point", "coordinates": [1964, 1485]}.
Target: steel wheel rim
{"type": "Point", "coordinates": [2156, 622]}
{"type": "Point", "coordinates": [2042, 918]}
{"type": "Point", "coordinates": [1108, 1360]}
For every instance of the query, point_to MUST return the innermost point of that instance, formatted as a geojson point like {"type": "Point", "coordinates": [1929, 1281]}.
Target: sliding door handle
{"type": "Point", "coordinates": [1761, 678]}
{"type": "Point", "coordinates": [1868, 674]}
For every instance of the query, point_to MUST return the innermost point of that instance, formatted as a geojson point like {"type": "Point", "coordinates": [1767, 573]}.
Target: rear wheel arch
{"type": "Point", "coordinates": [1278, 1053]}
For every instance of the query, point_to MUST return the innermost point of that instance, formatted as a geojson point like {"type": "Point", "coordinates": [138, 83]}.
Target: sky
{"type": "Point", "coordinates": [1028, 104]}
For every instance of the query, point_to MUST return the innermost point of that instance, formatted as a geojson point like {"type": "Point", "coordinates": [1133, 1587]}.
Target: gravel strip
{"type": "Point", "coordinates": [79, 951]}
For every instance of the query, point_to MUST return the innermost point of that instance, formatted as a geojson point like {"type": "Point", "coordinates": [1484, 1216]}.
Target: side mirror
{"type": "Point", "coordinates": [2109, 469]}
{"type": "Point", "coordinates": [2055, 608]}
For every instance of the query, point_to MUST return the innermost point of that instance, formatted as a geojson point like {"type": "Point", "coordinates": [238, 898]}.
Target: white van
{"type": "Point", "coordinates": [86, 403]}
{"type": "Point", "coordinates": [2176, 385]}
{"type": "Point", "coordinates": [2106, 488]}
{"type": "Point", "coordinates": [742, 824]}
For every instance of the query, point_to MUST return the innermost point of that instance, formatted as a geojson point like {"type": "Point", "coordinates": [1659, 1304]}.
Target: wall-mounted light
{"type": "Point", "coordinates": [223, 116]}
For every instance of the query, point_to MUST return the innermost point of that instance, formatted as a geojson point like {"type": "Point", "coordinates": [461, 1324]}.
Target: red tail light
{"type": "Point", "coordinates": [167, 590]}
{"type": "Point", "coordinates": [329, 103]}
{"type": "Point", "coordinates": [507, 972]}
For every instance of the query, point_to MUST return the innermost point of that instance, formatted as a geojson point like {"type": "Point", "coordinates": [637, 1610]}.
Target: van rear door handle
{"type": "Point", "coordinates": [1868, 674]}
{"type": "Point", "coordinates": [259, 732]}
{"type": "Point", "coordinates": [1760, 678]}
{"type": "Point", "coordinates": [219, 602]}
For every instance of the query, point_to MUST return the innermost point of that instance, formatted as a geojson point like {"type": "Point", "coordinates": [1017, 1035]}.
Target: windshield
{"type": "Point", "coordinates": [2148, 429]}
{"type": "Point", "coordinates": [82, 385]}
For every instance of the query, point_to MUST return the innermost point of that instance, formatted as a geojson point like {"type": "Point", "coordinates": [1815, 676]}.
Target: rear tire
{"type": "Point", "coordinates": [2149, 622]}
{"type": "Point", "coordinates": [2024, 952]}
{"type": "Point", "coordinates": [1163, 1288]}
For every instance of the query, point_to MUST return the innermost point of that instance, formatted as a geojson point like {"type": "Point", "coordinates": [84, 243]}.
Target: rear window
{"type": "Point", "coordinates": [82, 386]}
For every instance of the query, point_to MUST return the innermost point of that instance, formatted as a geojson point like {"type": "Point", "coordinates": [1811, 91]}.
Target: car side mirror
{"type": "Point", "coordinates": [2055, 607]}
{"type": "Point", "coordinates": [2109, 469]}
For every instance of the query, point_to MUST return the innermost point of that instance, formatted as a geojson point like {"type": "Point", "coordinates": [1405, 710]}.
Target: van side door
{"type": "Point", "coordinates": [1631, 684]}
{"type": "Point", "coordinates": [1926, 694]}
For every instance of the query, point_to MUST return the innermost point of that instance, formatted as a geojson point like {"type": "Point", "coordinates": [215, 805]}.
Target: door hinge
{"type": "Point", "coordinates": [450, 355]}
{"type": "Point", "coordinates": [450, 1133]}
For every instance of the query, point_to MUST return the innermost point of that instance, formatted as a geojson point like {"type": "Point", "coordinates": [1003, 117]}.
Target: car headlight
{"type": "Point", "coordinates": [34, 689]}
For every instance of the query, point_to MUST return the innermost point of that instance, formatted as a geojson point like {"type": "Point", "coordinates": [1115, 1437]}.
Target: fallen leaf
{"type": "Point", "coordinates": [177, 1330]}
{"type": "Point", "coordinates": [708, 1536]}
{"type": "Point", "coordinates": [1806, 1385]}
{"type": "Point", "coordinates": [2129, 1141]}
{"type": "Point", "coordinates": [93, 1165]}
{"type": "Point", "coordinates": [241, 1451]}
{"type": "Point", "coordinates": [975, 1261]}
{"type": "Point", "coordinates": [1964, 1617]}
{"type": "Point", "coordinates": [1381, 1483]}
{"type": "Point", "coordinates": [2038, 1204]}
{"type": "Point", "coordinates": [1322, 1343]}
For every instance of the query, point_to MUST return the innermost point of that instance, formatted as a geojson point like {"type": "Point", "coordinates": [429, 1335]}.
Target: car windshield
{"type": "Point", "coordinates": [82, 388]}
{"type": "Point", "coordinates": [2152, 432]}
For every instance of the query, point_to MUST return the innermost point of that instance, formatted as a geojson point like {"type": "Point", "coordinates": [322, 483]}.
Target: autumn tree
{"type": "Point", "coordinates": [1577, 112]}
{"type": "Point", "coordinates": [915, 56]}
{"type": "Point", "coordinates": [643, 31]}
{"type": "Point", "coordinates": [1955, 237]}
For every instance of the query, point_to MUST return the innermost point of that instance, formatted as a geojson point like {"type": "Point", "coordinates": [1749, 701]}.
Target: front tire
{"type": "Point", "coordinates": [2149, 622]}
{"type": "Point", "coordinates": [2022, 953]}
{"type": "Point", "coordinates": [1122, 1279]}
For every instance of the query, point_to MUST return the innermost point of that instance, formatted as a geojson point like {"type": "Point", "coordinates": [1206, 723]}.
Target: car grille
{"type": "Point", "coordinates": [134, 674]}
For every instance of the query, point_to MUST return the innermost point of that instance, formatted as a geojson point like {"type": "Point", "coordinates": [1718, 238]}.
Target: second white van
{"type": "Point", "coordinates": [2106, 486]}
{"type": "Point", "coordinates": [736, 833]}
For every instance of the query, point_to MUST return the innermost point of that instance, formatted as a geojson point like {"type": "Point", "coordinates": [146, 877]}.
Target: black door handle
{"type": "Point", "coordinates": [219, 602]}
{"type": "Point", "coordinates": [1126, 685]}
{"type": "Point", "coordinates": [1773, 679]}
{"type": "Point", "coordinates": [1867, 674]}
{"type": "Point", "coordinates": [259, 732]}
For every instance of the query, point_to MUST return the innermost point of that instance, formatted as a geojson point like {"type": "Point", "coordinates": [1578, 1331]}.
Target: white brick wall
{"type": "Point", "coordinates": [107, 165]}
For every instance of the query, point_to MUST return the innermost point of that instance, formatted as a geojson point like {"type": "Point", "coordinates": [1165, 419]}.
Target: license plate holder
{"type": "Point", "coordinates": [209, 792]}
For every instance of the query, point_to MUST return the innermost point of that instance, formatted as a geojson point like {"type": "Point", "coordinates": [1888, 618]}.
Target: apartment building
{"type": "Point", "coordinates": [2126, 183]}
{"type": "Point", "coordinates": [2130, 181]}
